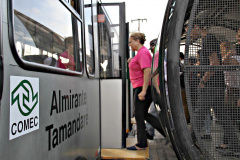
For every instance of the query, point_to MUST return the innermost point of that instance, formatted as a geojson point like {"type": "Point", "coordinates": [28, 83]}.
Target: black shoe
{"type": "Point", "coordinates": [150, 137]}
{"type": "Point", "coordinates": [206, 136]}
{"type": "Point", "coordinates": [134, 148]}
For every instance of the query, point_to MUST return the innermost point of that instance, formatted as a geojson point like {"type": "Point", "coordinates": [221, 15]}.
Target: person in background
{"type": "Point", "coordinates": [209, 90]}
{"type": "Point", "coordinates": [182, 84]}
{"type": "Point", "coordinates": [152, 110]}
{"type": "Point", "coordinates": [211, 86]}
{"type": "Point", "coordinates": [237, 57]}
{"type": "Point", "coordinates": [232, 83]}
{"type": "Point", "coordinates": [140, 72]}
{"type": "Point", "coordinates": [69, 54]}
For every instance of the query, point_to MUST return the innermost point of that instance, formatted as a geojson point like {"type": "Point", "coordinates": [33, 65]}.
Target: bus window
{"type": "Point", "coordinates": [110, 60]}
{"type": "Point", "coordinates": [76, 4]}
{"type": "Point", "coordinates": [80, 45]}
{"type": "Point", "coordinates": [44, 37]}
{"type": "Point", "coordinates": [89, 37]}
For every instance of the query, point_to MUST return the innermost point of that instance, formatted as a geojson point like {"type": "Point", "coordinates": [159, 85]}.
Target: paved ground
{"type": "Point", "coordinates": [159, 150]}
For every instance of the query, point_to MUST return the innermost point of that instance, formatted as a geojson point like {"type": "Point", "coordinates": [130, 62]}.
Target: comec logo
{"type": "Point", "coordinates": [25, 84]}
{"type": "Point", "coordinates": [24, 105]}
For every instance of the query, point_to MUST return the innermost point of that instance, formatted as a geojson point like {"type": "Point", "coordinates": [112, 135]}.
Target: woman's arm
{"type": "Point", "coordinates": [213, 58]}
{"type": "Point", "coordinates": [147, 76]}
{"type": "Point", "coordinates": [156, 84]}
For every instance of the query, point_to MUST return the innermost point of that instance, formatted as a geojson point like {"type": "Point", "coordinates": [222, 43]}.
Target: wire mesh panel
{"type": "Point", "coordinates": [212, 76]}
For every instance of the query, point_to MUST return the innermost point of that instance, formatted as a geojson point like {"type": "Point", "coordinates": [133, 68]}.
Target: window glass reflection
{"type": "Point", "coordinates": [110, 59]}
{"type": "Point", "coordinates": [43, 37]}
{"type": "Point", "coordinates": [80, 46]}
{"type": "Point", "coordinates": [89, 37]}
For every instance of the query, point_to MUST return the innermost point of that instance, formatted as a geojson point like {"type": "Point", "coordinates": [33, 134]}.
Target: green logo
{"type": "Point", "coordinates": [25, 97]}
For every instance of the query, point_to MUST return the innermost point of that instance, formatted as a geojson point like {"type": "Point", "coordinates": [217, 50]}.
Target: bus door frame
{"type": "Point", "coordinates": [122, 53]}
{"type": "Point", "coordinates": [1, 57]}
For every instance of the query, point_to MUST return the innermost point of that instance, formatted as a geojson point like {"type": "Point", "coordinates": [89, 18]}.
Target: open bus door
{"type": "Point", "coordinates": [112, 50]}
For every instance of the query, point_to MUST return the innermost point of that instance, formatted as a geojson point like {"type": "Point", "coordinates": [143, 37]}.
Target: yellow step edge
{"type": "Point", "coordinates": [124, 153]}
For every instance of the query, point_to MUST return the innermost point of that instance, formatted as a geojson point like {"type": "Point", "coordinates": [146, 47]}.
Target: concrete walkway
{"type": "Point", "coordinates": [158, 150]}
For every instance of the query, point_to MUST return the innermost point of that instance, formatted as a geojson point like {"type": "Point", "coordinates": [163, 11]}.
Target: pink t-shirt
{"type": "Point", "coordinates": [138, 63]}
{"type": "Point", "coordinates": [156, 58]}
{"type": "Point", "coordinates": [71, 64]}
{"type": "Point", "coordinates": [155, 63]}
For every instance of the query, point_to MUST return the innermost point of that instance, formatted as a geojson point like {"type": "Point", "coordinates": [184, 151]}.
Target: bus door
{"type": "Point", "coordinates": [1, 63]}
{"type": "Point", "coordinates": [112, 50]}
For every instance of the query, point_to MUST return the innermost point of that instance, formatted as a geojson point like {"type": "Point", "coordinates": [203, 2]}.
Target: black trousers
{"type": "Point", "coordinates": [141, 114]}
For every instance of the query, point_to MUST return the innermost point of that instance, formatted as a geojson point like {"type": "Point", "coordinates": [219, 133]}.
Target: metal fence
{"type": "Point", "coordinates": [212, 76]}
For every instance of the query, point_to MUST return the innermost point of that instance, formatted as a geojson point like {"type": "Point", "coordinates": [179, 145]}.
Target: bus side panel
{"type": "Point", "coordinates": [60, 131]}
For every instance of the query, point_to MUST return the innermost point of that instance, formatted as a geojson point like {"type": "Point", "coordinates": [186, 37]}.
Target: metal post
{"type": "Point", "coordinates": [139, 22]}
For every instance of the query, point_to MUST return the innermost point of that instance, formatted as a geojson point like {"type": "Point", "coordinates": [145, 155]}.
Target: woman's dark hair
{"type": "Point", "coordinates": [181, 55]}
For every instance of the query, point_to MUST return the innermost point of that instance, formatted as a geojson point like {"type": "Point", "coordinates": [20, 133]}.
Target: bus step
{"type": "Point", "coordinates": [124, 153]}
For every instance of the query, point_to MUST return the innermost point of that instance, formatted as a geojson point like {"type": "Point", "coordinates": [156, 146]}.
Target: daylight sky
{"type": "Point", "coordinates": [152, 10]}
